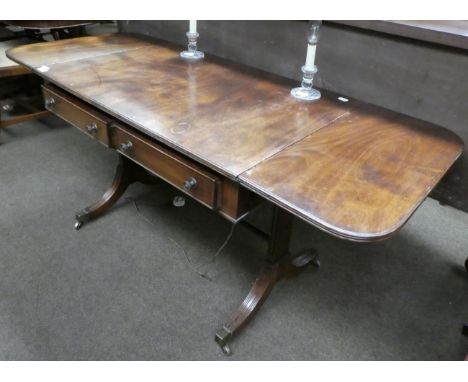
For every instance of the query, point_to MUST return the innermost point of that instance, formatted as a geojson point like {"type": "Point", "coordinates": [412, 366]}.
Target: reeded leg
{"type": "Point", "coordinates": [122, 179]}
{"type": "Point", "coordinates": [278, 264]}
{"type": "Point", "coordinates": [127, 173]}
{"type": "Point", "coordinates": [269, 275]}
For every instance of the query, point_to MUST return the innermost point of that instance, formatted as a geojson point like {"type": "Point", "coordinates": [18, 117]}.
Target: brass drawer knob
{"type": "Point", "coordinates": [126, 147]}
{"type": "Point", "coordinates": [92, 128]}
{"type": "Point", "coordinates": [189, 184]}
{"type": "Point", "coordinates": [49, 101]}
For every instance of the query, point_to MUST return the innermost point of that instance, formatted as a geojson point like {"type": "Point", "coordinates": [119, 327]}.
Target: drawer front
{"type": "Point", "coordinates": [77, 113]}
{"type": "Point", "coordinates": [168, 165]}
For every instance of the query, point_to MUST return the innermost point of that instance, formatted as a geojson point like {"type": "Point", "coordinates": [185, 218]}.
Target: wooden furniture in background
{"type": "Point", "coordinates": [229, 136]}
{"type": "Point", "coordinates": [59, 29]}
{"type": "Point", "coordinates": [23, 103]}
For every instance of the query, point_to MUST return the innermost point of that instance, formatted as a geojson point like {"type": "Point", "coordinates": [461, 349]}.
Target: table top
{"type": "Point", "coordinates": [61, 51]}
{"type": "Point", "coordinates": [226, 118]}
{"type": "Point", "coordinates": [349, 168]}
{"type": "Point", "coordinates": [360, 178]}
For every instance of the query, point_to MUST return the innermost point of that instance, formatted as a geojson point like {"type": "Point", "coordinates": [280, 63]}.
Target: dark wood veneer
{"type": "Point", "coordinates": [353, 170]}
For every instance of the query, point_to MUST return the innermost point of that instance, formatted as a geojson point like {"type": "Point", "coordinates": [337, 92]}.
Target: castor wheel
{"type": "Point", "coordinates": [226, 350]}
{"type": "Point", "coordinates": [78, 225]}
{"type": "Point", "coordinates": [222, 337]}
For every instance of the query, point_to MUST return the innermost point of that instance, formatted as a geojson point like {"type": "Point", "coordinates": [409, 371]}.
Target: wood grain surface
{"type": "Point", "coordinates": [80, 115]}
{"type": "Point", "coordinates": [166, 164]}
{"type": "Point", "coordinates": [354, 170]}
{"type": "Point", "coordinates": [53, 52]}
{"type": "Point", "coordinates": [222, 116]}
{"type": "Point", "coordinates": [360, 178]}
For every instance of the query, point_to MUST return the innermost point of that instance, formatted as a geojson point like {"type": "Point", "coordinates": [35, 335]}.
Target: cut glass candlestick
{"type": "Point", "coordinates": [192, 53]}
{"type": "Point", "coordinates": [306, 92]}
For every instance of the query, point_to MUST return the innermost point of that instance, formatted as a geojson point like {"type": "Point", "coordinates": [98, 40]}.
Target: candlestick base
{"type": "Point", "coordinates": [306, 94]}
{"type": "Point", "coordinates": [192, 55]}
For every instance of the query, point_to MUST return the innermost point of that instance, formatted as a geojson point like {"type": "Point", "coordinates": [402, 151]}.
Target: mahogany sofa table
{"type": "Point", "coordinates": [229, 136]}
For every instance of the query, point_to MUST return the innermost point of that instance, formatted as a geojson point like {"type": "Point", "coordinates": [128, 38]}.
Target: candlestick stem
{"type": "Point", "coordinates": [192, 53]}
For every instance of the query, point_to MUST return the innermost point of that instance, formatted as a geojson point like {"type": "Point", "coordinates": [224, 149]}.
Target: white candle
{"type": "Point", "coordinates": [193, 26]}
{"type": "Point", "coordinates": [310, 60]}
